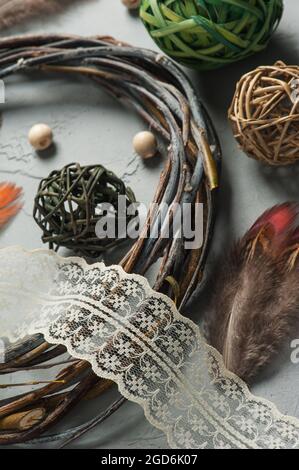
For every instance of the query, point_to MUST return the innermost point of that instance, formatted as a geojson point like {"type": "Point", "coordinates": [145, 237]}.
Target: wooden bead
{"type": "Point", "coordinates": [40, 136]}
{"type": "Point", "coordinates": [145, 144]}
{"type": "Point", "coordinates": [131, 4]}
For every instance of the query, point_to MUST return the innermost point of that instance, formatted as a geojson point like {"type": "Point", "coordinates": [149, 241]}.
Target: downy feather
{"type": "Point", "coordinates": [255, 306]}
{"type": "Point", "coordinates": [13, 12]}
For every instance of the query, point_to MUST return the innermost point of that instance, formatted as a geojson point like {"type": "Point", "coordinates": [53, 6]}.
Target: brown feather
{"type": "Point", "coordinates": [13, 12]}
{"type": "Point", "coordinates": [255, 307]}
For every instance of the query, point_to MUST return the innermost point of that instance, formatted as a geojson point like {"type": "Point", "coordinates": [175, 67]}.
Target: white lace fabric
{"type": "Point", "coordinates": [137, 338]}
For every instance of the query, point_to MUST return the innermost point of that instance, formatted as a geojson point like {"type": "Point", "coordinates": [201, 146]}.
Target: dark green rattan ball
{"type": "Point", "coordinates": [207, 34]}
{"type": "Point", "coordinates": [68, 203]}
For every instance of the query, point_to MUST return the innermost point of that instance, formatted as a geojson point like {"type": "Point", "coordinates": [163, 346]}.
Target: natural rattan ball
{"type": "Point", "coordinates": [206, 34]}
{"type": "Point", "coordinates": [265, 114]}
{"type": "Point", "coordinates": [67, 207]}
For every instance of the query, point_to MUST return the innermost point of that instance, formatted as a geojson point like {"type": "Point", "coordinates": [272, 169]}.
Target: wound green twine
{"type": "Point", "coordinates": [208, 34]}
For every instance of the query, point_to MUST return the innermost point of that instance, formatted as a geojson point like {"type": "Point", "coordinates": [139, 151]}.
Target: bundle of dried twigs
{"type": "Point", "coordinates": [161, 94]}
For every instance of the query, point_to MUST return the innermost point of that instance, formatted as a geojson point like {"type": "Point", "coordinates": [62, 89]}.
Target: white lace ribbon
{"type": "Point", "coordinates": [137, 338]}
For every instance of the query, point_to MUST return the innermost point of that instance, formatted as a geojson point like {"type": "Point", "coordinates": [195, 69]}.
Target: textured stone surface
{"type": "Point", "coordinates": [90, 127]}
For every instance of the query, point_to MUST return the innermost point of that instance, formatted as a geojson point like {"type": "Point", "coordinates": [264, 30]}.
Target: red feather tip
{"type": "Point", "coordinates": [276, 228]}
{"type": "Point", "coordinates": [9, 202]}
{"type": "Point", "coordinates": [281, 218]}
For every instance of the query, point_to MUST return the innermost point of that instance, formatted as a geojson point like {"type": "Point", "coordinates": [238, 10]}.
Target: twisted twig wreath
{"type": "Point", "coordinates": [154, 87]}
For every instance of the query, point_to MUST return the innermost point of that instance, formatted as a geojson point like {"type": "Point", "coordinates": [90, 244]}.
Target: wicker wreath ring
{"type": "Point", "coordinates": [161, 94]}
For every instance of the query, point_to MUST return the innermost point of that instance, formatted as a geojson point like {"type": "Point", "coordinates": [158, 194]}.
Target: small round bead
{"type": "Point", "coordinates": [131, 4]}
{"type": "Point", "coordinates": [40, 136]}
{"type": "Point", "coordinates": [145, 144]}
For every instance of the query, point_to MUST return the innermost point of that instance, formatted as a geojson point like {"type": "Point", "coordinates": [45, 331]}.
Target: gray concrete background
{"type": "Point", "coordinates": [90, 127]}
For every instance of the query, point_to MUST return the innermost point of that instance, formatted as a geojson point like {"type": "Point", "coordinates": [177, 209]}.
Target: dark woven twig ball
{"type": "Point", "coordinates": [67, 207]}
{"type": "Point", "coordinates": [265, 114]}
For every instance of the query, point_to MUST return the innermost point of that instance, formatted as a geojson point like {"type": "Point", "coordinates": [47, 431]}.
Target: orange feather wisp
{"type": "Point", "coordinates": [10, 203]}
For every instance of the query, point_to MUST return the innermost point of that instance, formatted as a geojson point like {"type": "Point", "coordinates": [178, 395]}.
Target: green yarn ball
{"type": "Point", "coordinates": [207, 34]}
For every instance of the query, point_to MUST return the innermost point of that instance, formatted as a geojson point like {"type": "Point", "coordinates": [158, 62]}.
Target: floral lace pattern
{"type": "Point", "coordinates": [136, 337]}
